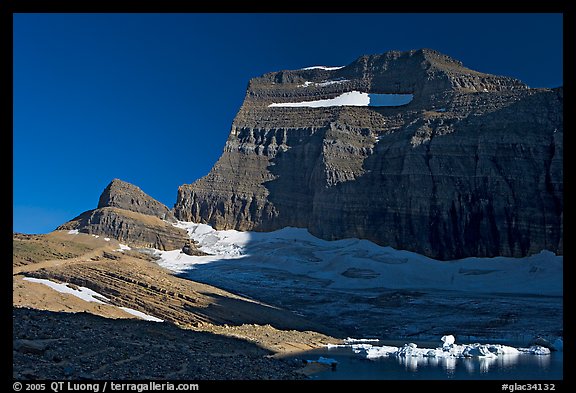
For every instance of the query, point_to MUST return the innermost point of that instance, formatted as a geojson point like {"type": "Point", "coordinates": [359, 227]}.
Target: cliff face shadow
{"type": "Point", "coordinates": [486, 184]}
{"type": "Point", "coordinates": [296, 171]}
{"type": "Point", "coordinates": [489, 184]}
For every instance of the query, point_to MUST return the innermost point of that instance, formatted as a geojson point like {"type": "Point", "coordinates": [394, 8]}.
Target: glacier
{"type": "Point", "coordinates": [296, 251]}
{"type": "Point", "coordinates": [371, 291]}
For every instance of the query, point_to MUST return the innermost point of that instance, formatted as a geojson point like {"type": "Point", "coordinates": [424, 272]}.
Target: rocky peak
{"type": "Point", "coordinates": [425, 73]}
{"type": "Point", "coordinates": [470, 166]}
{"type": "Point", "coordinates": [123, 195]}
{"type": "Point", "coordinates": [131, 216]}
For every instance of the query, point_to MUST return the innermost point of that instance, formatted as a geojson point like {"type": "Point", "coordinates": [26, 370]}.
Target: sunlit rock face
{"type": "Point", "coordinates": [129, 215]}
{"type": "Point", "coordinates": [407, 149]}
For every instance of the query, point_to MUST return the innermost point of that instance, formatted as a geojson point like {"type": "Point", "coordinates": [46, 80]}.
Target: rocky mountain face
{"type": "Point", "coordinates": [125, 196]}
{"type": "Point", "coordinates": [471, 166]}
{"type": "Point", "coordinates": [126, 213]}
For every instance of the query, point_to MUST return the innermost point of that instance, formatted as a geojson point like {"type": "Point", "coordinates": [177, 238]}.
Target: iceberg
{"type": "Point", "coordinates": [448, 350]}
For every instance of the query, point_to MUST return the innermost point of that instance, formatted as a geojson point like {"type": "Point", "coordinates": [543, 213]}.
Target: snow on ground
{"type": "Point", "coordinates": [83, 293]}
{"type": "Point", "coordinates": [322, 68]}
{"type": "Point", "coordinates": [123, 247]}
{"type": "Point", "coordinates": [73, 232]}
{"type": "Point", "coordinates": [360, 264]}
{"type": "Point", "coordinates": [88, 295]}
{"type": "Point", "coordinates": [352, 98]}
{"type": "Point", "coordinates": [141, 315]}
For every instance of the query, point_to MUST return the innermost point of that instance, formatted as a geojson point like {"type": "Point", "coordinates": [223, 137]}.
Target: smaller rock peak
{"type": "Point", "coordinates": [115, 191]}
{"type": "Point", "coordinates": [119, 182]}
{"type": "Point", "coordinates": [124, 195]}
{"type": "Point", "coordinates": [435, 56]}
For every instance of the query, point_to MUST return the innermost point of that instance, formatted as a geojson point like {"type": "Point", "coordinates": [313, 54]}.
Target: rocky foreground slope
{"type": "Point", "coordinates": [207, 333]}
{"type": "Point", "coordinates": [60, 346]}
{"type": "Point", "coordinates": [471, 166]}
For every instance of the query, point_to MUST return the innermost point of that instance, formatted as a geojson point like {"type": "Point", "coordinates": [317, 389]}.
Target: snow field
{"type": "Point", "coordinates": [361, 264]}
{"type": "Point", "coordinates": [89, 295]}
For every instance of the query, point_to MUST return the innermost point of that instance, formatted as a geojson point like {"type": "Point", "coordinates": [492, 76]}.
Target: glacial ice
{"type": "Point", "coordinates": [451, 350]}
{"type": "Point", "coordinates": [296, 251]}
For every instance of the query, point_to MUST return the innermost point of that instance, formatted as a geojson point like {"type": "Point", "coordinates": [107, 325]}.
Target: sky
{"type": "Point", "coordinates": [150, 98]}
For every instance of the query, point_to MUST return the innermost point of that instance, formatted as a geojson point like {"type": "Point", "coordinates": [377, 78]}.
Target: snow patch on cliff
{"type": "Point", "coordinates": [351, 98]}
{"type": "Point", "coordinates": [322, 68]}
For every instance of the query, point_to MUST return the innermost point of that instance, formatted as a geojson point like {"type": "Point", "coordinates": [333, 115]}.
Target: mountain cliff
{"type": "Point", "coordinates": [407, 149]}
{"type": "Point", "coordinates": [128, 214]}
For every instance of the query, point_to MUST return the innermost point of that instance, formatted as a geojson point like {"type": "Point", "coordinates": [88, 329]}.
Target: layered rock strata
{"type": "Point", "coordinates": [129, 215]}
{"type": "Point", "coordinates": [471, 166]}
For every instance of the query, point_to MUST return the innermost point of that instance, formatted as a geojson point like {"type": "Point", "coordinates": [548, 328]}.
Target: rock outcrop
{"type": "Point", "coordinates": [126, 196]}
{"type": "Point", "coordinates": [471, 166]}
{"type": "Point", "coordinates": [129, 215]}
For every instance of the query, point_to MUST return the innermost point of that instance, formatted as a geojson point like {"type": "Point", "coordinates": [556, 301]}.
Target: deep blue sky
{"type": "Point", "coordinates": [150, 98]}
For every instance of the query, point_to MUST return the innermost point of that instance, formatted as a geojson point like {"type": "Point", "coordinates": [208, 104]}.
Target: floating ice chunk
{"type": "Point", "coordinates": [329, 361]}
{"type": "Point", "coordinates": [535, 350]}
{"type": "Point", "coordinates": [350, 340]}
{"type": "Point", "coordinates": [408, 350]}
{"type": "Point", "coordinates": [502, 349]}
{"type": "Point", "coordinates": [360, 348]}
{"type": "Point", "coordinates": [379, 352]}
{"type": "Point", "coordinates": [478, 351]}
{"type": "Point", "coordinates": [448, 340]}
{"type": "Point", "coordinates": [453, 351]}
{"type": "Point", "coordinates": [323, 360]}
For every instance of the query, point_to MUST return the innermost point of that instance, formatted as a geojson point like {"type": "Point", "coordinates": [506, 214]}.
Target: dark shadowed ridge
{"type": "Point", "coordinates": [472, 166]}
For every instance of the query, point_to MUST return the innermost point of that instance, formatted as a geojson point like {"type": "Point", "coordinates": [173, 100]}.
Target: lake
{"type": "Point", "coordinates": [507, 367]}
